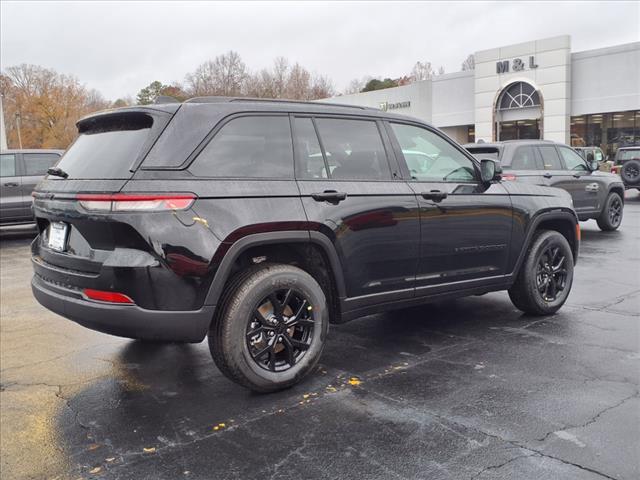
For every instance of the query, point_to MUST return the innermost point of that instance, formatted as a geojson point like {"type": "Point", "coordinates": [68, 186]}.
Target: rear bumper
{"type": "Point", "coordinates": [124, 320]}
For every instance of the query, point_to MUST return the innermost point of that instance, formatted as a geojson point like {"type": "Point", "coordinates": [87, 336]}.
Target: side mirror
{"type": "Point", "coordinates": [490, 170]}
{"type": "Point", "coordinates": [589, 157]}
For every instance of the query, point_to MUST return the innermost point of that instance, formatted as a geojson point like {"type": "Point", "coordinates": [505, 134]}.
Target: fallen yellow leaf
{"type": "Point", "coordinates": [95, 470]}
{"type": "Point", "coordinates": [110, 459]}
{"type": "Point", "coordinates": [354, 381]}
{"type": "Point", "coordinates": [149, 450]}
{"type": "Point", "coordinates": [305, 396]}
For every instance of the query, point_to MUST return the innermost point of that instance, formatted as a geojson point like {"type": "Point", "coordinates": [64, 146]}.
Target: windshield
{"type": "Point", "coordinates": [107, 147]}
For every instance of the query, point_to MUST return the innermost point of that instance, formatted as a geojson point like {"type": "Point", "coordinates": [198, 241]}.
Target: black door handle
{"type": "Point", "coordinates": [435, 195]}
{"type": "Point", "coordinates": [330, 196]}
{"type": "Point", "coordinates": [547, 175]}
{"type": "Point", "coordinates": [11, 184]}
{"type": "Point", "coordinates": [576, 175]}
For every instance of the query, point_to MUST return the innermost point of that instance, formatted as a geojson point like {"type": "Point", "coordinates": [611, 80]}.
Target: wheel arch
{"type": "Point", "coordinates": [564, 222]}
{"type": "Point", "coordinates": [310, 250]}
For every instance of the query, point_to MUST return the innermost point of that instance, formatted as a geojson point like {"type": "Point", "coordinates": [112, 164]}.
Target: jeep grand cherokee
{"type": "Point", "coordinates": [258, 223]}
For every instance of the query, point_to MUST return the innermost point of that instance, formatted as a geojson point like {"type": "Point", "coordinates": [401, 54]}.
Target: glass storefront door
{"type": "Point", "coordinates": [519, 130]}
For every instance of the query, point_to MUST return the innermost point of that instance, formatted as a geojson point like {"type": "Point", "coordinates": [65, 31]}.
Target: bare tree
{"type": "Point", "coordinates": [469, 63]}
{"type": "Point", "coordinates": [356, 85]}
{"type": "Point", "coordinates": [422, 71]}
{"type": "Point", "coordinates": [47, 105]}
{"type": "Point", "coordinates": [224, 75]}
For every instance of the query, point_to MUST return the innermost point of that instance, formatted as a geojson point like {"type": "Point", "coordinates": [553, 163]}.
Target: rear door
{"type": "Point", "coordinates": [523, 163]}
{"type": "Point", "coordinates": [352, 192]}
{"type": "Point", "coordinates": [34, 168]}
{"type": "Point", "coordinates": [10, 191]}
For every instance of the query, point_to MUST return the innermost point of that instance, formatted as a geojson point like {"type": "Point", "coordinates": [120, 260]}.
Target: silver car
{"type": "Point", "coordinates": [20, 172]}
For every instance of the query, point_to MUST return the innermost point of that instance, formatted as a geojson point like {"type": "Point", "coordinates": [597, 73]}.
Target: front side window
{"type": "Point", "coordinates": [7, 165]}
{"type": "Point", "coordinates": [38, 163]}
{"type": "Point", "coordinates": [353, 149]}
{"type": "Point", "coordinates": [248, 147]}
{"type": "Point", "coordinates": [550, 157]}
{"type": "Point", "coordinates": [524, 159]}
{"type": "Point", "coordinates": [572, 160]}
{"type": "Point", "coordinates": [430, 157]}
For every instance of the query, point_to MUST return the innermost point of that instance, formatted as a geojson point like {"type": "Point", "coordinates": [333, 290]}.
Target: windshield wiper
{"type": "Point", "coordinates": [57, 172]}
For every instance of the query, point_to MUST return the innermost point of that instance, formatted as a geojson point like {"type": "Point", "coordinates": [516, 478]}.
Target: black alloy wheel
{"type": "Point", "coordinates": [615, 211]}
{"type": "Point", "coordinates": [280, 330]}
{"type": "Point", "coordinates": [551, 273]}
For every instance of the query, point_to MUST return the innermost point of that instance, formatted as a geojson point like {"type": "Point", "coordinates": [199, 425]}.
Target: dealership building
{"type": "Point", "coordinates": [538, 89]}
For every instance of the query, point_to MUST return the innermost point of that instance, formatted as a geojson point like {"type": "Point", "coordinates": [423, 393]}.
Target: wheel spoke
{"type": "Point", "coordinates": [556, 268]}
{"type": "Point", "coordinates": [291, 358]}
{"type": "Point", "coordinates": [254, 332]}
{"type": "Point", "coordinates": [298, 344]}
{"type": "Point", "coordinates": [261, 353]}
{"type": "Point", "coordinates": [272, 360]}
{"type": "Point", "coordinates": [553, 292]}
{"type": "Point", "coordinates": [287, 299]}
{"type": "Point", "coordinates": [276, 305]}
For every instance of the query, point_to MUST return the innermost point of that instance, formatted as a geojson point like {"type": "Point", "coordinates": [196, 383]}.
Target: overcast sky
{"type": "Point", "coordinates": [120, 47]}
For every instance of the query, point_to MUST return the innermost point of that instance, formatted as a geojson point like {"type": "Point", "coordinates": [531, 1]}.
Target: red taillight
{"type": "Point", "coordinates": [578, 232]}
{"type": "Point", "coordinates": [509, 176]}
{"type": "Point", "coordinates": [102, 296]}
{"type": "Point", "coordinates": [125, 202]}
{"type": "Point", "coordinates": [614, 169]}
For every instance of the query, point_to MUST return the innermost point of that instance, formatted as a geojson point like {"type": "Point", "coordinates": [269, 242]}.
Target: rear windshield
{"type": "Point", "coordinates": [485, 152]}
{"type": "Point", "coordinates": [107, 147]}
{"type": "Point", "coordinates": [628, 154]}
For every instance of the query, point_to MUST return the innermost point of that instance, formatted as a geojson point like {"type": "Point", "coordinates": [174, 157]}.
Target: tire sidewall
{"type": "Point", "coordinates": [263, 283]}
{"type": "Point", "coordinates": [548, 239]}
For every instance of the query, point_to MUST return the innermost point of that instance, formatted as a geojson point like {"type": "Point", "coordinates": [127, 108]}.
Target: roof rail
{"type": "Point", "coordinates": [271, 100]}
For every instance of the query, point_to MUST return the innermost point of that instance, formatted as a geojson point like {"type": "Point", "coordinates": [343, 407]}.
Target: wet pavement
{"type": "Point", "coordinates": [468, 389]}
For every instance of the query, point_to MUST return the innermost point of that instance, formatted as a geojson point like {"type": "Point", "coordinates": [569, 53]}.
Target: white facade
{"type": "Point", "coordinates": [467, 104]}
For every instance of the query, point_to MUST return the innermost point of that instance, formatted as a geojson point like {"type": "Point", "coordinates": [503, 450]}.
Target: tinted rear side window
{"type": "Point", "coordinates": [7, 165]}
{"type": "Point", "coordinates": [248, 147]}
{"type": "Point", "coordinates": [550, 157]}
{"type": "Point", "coordinates": [354, 149]}
{"type": "Point", "coordinates": [38, 163]}
{"type": "Point", "coordinates": [310, 159]}
{"type": "Point", "coordinates": [524, 158]}
{"type": "Point", "coordinates": [107, 147]}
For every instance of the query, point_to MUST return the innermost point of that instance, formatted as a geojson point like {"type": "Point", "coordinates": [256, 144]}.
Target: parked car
{"type": "Point", "coordinates": [594, 153]}
{"type": "Point", "coordinates": [627, 164]}
{"type": "Point", "coordinates": [20, 172]}
{"type": "Point", "coordinates": [217, 216]}
{"type": "Point", "coordinates": [596, 194]}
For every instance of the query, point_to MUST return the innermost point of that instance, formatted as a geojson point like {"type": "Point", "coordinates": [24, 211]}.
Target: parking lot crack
{"type": "Point", "coordinates": [591, 420]}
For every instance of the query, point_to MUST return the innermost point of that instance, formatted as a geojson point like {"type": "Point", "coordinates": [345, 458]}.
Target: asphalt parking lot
{"type": "Point", "coordinates": [469, 389]}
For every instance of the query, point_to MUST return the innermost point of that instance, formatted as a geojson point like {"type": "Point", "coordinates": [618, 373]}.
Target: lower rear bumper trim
{"type": "Point", "coordinates": [127, 320]}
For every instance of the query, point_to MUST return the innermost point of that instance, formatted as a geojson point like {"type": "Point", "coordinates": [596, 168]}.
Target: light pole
{"type": "Point", "coordinates": [18, 124]}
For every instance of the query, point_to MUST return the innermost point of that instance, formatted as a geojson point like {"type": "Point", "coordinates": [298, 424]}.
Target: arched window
{"type": "Point", "coordinates": [519, 95]}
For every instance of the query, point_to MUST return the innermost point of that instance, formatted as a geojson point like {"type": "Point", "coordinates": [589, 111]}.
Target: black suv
{"type": "Point", "coordinates": [260, 222]}
{"type": "Point", "coordinates": [595, 194]}
{"type": "Point", "coordinates": [627, 164]}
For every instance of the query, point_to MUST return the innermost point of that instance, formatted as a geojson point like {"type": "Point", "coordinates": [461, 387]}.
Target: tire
{"type": "Point", "coordinates": [611, 215]}
{"type": "Point", "coordinates": [630, 173]}
{"type": "Point", "coordinates": [525, 293]}
{"type": "Point", "coordinates": [232, 345]}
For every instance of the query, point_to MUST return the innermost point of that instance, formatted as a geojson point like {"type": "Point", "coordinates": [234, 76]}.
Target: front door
{"type": "Point", "coordinates": [587, 189]}
{"type": "Point", "coordinates": [352, 193]}
{"type": "Point", "coordinates": [465, 225]}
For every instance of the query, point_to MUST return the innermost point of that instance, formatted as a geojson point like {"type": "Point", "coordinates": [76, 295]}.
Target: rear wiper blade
{"type": "Point", "coordinates": [57, 172]}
